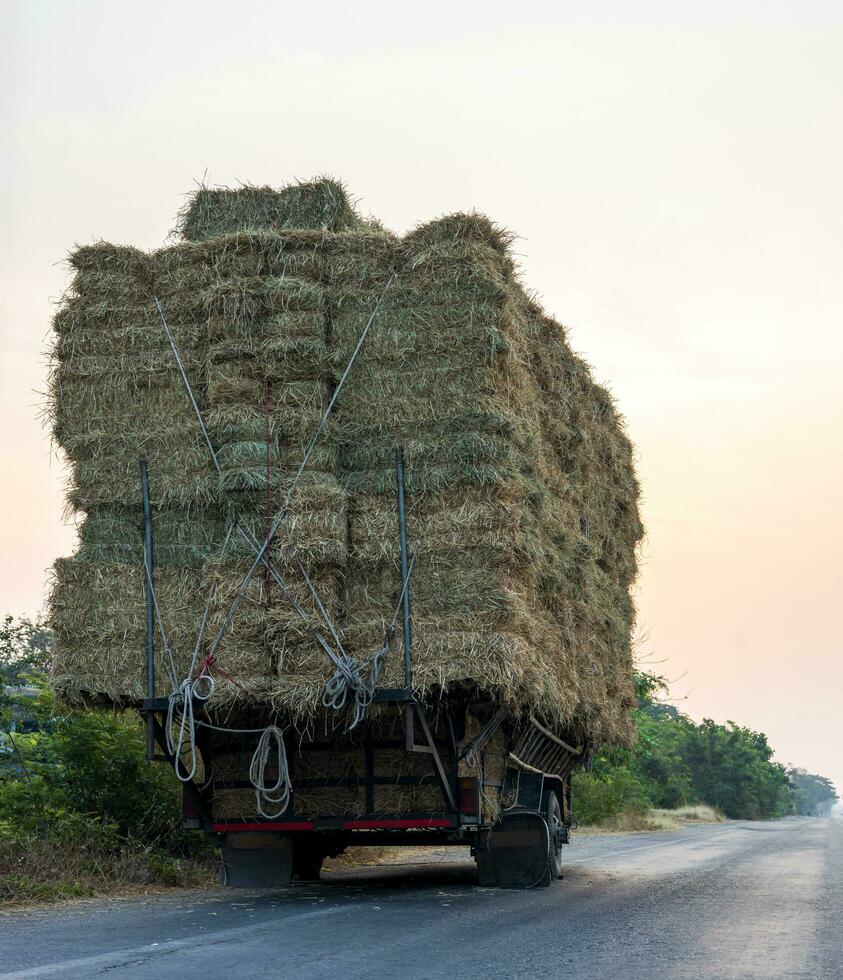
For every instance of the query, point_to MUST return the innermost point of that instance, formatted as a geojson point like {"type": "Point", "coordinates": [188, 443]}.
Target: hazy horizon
{"type": "Point", "coordinates": [674, 178]}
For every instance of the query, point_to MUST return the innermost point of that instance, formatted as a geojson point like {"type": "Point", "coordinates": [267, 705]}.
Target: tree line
{"type": "Point", "coordinates": [678, 762]}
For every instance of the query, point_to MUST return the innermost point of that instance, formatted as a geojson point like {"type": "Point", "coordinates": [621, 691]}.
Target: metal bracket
{"type": "Point", "coordinates": [400, 694]}
{"type": "Point", "coordinates": [195, 793]}
{"type": "Point", "coordinates": [150, 622]}
{"type": "Point", "coordinates": [410, 713]}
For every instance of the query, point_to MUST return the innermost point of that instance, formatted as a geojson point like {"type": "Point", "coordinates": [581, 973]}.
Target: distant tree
{"type": "Point", "coordinates": [25, 649]}
{"type": "Point", "coordinates": [811, 791]}
{"type": "Point", "coordinates": [732, 770]}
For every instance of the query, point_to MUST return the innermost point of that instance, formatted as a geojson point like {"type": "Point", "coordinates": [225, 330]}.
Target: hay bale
{"type": "Point", "coordinates": [98, 616]}
{"type": "Point", "coordinates": [318, 204]}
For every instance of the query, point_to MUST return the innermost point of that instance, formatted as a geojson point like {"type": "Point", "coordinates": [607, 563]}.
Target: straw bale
{"type": "Point", "coordinates": [320, 204]}
{"type": "Point", "coordinates": [184, 537]}
{"type": "Point", "coordinates": [98, 615]}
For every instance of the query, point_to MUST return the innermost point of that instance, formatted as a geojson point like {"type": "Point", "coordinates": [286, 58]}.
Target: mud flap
{"type": "Point", "coordinates": [517, 853]}
{"type": "Point", "coordinates": [257, 860]}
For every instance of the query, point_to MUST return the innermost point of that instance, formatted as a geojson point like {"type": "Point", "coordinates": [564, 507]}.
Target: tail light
{"type": "Point", "coordinates": [190, 819]}
{"type": "Point", "coordinates": [468, 796]}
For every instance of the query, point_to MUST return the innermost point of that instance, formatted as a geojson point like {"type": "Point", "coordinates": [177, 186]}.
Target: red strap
{"type": "Point", "coordinates": [209, 663]}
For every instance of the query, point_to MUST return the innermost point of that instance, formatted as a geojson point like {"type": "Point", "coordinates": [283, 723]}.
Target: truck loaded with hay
{"type": "Point", "coordinates": [357, 532]}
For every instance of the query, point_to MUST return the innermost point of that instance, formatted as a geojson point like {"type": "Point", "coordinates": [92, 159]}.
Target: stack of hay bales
{"type": "Point", "coordinates": [117, 398]}
{"type": "Point", "coordinates": [521, 490]}
{"type": "Point", "coordinates": [246, 309]}
{"type": "Point", "coordinates": [266, 388]}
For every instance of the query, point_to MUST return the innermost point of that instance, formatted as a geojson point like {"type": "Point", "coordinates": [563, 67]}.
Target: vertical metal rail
{"type": "Point", "coordinates": [150, 621]}
{"type": "Point", "coordinates": [402, 536]}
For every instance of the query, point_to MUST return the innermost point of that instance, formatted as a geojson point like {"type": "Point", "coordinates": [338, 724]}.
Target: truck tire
{"type": "Point", "coordinates": [557, 833]}
{"type": "Point", "coordinates": [307, 862]}
{"type": "Point", "coordinates": [257, 860]}
{"type": "Point", "coordinates": [516, 854]}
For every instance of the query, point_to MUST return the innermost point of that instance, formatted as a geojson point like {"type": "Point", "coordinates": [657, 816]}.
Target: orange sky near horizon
{"type": "Point", "coordinates": [675, 177]}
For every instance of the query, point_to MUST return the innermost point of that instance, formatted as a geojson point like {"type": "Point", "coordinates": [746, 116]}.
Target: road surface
{"type": "Point", "coordinates": [736, 900]}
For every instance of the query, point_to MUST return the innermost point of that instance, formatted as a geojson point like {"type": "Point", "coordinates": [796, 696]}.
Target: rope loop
{"type": "Point", "coordinates": [277, 794]}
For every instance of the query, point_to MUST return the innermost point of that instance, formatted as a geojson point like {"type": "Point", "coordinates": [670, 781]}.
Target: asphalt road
{"type": "Point", "coordinates": [737, 900]}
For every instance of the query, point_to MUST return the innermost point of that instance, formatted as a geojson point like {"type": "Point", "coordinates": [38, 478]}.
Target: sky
{"type": "Point", "coordinates": [674, 173]}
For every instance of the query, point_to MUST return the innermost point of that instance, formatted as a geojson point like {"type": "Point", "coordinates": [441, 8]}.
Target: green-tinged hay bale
{"type": "Point", "coordinates": [237, 256]}
{"type": "Point", "coordinates": [461, 228]}
{"type": "Point", "coordinates": [135, 371]}
{"type": "Point", "coordinates": [463, 587]}
{"type": "Point", "coordinates": [236, 382]}
{"type": "Point", "coordinates": [435, 398]}
{"type": "Point", "coordinates": [439, 479]}
{"type": "Point", "coordinates": [289, 427]}
{"type": "Point", "coordinates": [462, 452]}
{"type": "Point", "coordinates": [120, 402]}
{"type": "Point", "coordinates": [85, 329]}
{"type": "Point", "coordinates": [103, 257]}
{"type": "Point", "coordinates": [492, 526]}
{"type": "Point", "coordinates": [100, 444]}
{"type": "Point", "coordinates": [483, 300]}
{"type": "Point", "coordinates": [415, 340]}
{"type": "Point", "coordinates": [360, 260]}
{"type": "Point", "coordinates": [113, 274]}
{"type": "Point", "coordinates": [257, 252]}
{"type": "Point", "coordinates": [260, 327]}
{"type": "Point", "coordinates": [319, 204]}
{"type": "Point", "coordinates": [316, 515]}
{"type": "Point", "coordinates": [276, 357]}
{"type": "Point", "coordinates": [181, 478]}
{"type": "Point", "coordinates": [284, 457]}
{"type": "Point", "coordinates": [183, 537]}
{"type": "Point", "coordinates": [98, 616]}
{"type": "Point", "coordinates": [248, 299]}
{"type": "Point", "coordinates": [315, 537]}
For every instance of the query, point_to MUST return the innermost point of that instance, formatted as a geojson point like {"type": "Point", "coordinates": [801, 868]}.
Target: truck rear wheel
{"type": "Point", "coordinates": [257, 860]}
{"type": "Point", "coordinates": [517, 853]}
{"type": "Point", "coordinates": [557, 832]}
{"type": "Point", "coordinates": [307, 862]}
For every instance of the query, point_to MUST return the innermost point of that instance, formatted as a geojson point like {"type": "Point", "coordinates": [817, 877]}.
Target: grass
{"type": "Point", "coordinates": [634, 821]}
{"type": "Point", "coordinates": [36, 870]}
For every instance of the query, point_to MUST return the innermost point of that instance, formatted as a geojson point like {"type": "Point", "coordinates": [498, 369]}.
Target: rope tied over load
{"type": "Point", "coordinates": [349, 679]}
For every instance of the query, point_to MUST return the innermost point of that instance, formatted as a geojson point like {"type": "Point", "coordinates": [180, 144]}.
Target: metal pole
{"type": "Point", "coordinates": [402, 536]}
{"type": "Point", "coordinates": [150, 617]}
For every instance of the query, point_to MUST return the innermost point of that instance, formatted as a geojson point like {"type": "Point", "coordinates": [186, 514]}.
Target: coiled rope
{"type": "Point", "coordinates": [181, 702]}
{"type": "Point", "coordinates": [277, 794]}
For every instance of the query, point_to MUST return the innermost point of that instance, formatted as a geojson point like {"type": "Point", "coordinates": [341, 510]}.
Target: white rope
{"type": "Point", "coordinates": [349, 680]}
{"type": "Point", "coordinates": [278, 794]}
{"type": "Point", "coordinates": [181, 702]}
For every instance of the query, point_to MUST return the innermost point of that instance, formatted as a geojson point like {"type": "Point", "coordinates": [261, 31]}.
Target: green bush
{"type": "Point", "coordinates": [599, 798]}
{"type": "Point", "coordinates": [80, 807]}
